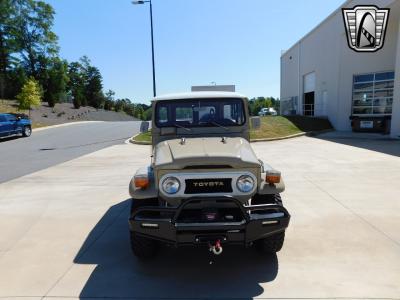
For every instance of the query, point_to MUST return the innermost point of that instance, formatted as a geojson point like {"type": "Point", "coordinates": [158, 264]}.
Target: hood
{"type": "Point", "coordinates": [175, 154]}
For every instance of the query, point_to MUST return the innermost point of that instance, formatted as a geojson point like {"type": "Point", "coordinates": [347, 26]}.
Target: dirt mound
{"type": "Point", "coordinates": [65, 112]}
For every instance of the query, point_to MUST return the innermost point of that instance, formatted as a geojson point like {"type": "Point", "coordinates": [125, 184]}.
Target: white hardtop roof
{"type": "Point", "coordinates": [199, 95]}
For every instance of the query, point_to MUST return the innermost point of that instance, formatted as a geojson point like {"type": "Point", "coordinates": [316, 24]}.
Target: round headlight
{"type": "Point", "coordinates": [171, 185]}
{"type": "Point", "coordinates": [245, 183]}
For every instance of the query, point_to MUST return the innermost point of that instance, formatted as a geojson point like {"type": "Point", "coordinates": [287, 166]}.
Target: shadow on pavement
{"type": "Point", "coordinates": [6, 139]}
{"type": "Point", "coordinates": [384, 145]}
{"type": "Point", "coordinates": [174, 273]}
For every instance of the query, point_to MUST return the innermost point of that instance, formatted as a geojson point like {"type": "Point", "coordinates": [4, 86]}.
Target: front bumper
{"type": "Point", "coordinates": [163, 223]}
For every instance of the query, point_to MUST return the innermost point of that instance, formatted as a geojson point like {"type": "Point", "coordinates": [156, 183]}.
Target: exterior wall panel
{"type": "Point", "coordinates": [325, 51]}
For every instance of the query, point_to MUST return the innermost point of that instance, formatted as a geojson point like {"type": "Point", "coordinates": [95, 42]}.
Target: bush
{"type": "Point", "coordinates": [30, 95]}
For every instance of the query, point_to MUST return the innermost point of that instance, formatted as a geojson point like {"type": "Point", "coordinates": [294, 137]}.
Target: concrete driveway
{"type": "Point", "coordinates": [64, 231]}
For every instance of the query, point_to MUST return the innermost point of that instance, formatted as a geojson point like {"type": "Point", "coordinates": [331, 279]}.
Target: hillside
{"type": "Point", "coordinates": [281, 126]}
{"type": "Point", "coordinates": [64, 113]}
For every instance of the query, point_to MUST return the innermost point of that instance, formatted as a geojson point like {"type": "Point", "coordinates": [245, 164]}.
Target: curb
{"type": "Point", "coordinates": [309, 133]}
{"type": "Point", "coordinates": [132, 141]}
{"type": "Point", "coordinates": [63, 125]}
{"type": "Point", "coordinates": [278, 138]}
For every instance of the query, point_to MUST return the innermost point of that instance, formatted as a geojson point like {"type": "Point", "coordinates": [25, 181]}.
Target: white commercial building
{"type": "Point", "coordinates": [322, 76]}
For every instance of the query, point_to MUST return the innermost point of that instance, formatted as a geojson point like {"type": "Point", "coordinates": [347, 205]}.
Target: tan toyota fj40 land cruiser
{"type": "Point", "coordinates": [205, 185]}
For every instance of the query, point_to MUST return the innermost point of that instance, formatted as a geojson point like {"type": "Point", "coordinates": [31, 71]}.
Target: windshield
{"type": "Point", "coordinates": [200, 112]}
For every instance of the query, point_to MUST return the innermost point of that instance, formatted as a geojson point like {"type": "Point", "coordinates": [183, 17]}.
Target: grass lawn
{"type": "Point", "coordinates": [275, 127]}
{"type": "Point", "coordinates": [144, 137]}
{"type": "Point", "coordinates": [281, 126]}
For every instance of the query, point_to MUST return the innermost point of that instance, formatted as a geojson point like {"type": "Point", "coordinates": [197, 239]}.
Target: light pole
{"type": "Point", "coordinates": [152, 40]}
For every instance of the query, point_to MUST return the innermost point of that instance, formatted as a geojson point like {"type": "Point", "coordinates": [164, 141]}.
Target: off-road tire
{"type": "Point", "coordinates": [271, 244]}
{"type": "Point", "coordinates": [142, 247]}
{"type": "Point", "coordinates": [26, 131]}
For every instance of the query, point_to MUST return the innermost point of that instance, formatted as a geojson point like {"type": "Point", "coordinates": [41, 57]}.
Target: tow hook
{"type": "Point", "coordinates": [217, 248]}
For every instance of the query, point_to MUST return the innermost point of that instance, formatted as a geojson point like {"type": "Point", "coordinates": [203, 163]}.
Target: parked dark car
{"type": "Point", "coordinates": [11, 124]}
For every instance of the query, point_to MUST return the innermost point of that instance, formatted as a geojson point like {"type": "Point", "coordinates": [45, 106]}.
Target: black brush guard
{"type": "Point", "coordinates": [162, 223]}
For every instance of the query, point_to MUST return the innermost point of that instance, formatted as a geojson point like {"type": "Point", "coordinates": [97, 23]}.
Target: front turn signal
{"type": "Point", "coordinates": [141, 181]}
{"type": "Point", "coordinates": [273, 176]}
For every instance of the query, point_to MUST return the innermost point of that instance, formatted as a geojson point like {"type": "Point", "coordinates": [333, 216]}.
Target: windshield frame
{"type": "Point", "coordinates": [185, 102]}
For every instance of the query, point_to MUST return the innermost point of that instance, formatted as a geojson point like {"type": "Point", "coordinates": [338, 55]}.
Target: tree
{"type": "Point", "coordinates": [93, 87]}
{"type": "Point", "coordinates": [79, 98]}
{"type": "Point", "coordinates": [85, 62]}
{"type": "Point", "coordinates": [35, 38]}
{"type": "Point", "coordinates": [16, 78]}
{"type": "Point", "coordinates": [76, 84]}
{"type": "Point", "coordinates": [257, 105]}
{"type": "Point", "coordinates": [110, 95]}
{"type": "Point", "coordinates": [30, 95]}
{"type": "Point", "coordinates": [139, 112]}
{"type": "Point", "coordinates": [120, 105]}
{"type": "Point", "coordinates": [109, 102]}
{"type": "Point", "coordinates": [26, 41]}
{"type": "Point", "coordinates": [267, 102]}
{"type": "Point", "coordinates": [55, 80]}
{"type": "Point", "coordinates": [7, 46]}
{"type": "Point", "coordinates": [129, 109]}
{"type": "Point", "coordinates": [6, 12]}
{"type": "Point", "coordinates": [147, 114]}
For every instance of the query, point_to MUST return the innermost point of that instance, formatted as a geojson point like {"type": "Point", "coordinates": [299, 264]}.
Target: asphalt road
{"type": "Point", "coordinates": [48, 147]}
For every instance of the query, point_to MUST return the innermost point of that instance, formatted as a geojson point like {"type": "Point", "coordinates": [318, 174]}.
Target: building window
{"type": "Point", "coordinates": [373, 94]}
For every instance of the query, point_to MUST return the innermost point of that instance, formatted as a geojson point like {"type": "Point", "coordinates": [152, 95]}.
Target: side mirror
{"type": "Point", "coordinates": [18, 119]}
{"type": "Point", "coordinates": [255, 123]}
{"type": "Point", "coordinates": [144, 126]}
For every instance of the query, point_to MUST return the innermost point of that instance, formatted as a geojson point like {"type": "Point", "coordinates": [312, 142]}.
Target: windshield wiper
{"type": "Point", "coordinates": [217, 124]}
{"type": "Point", "coordinates": [183, 127]}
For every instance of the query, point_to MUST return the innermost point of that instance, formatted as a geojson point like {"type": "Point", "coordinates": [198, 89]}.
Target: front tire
{"type": "Point", "coordinates": [27, 131]}
{"type": "Point", "coordinates": [142, 247]}
{"type": "Point", "coordinates": [271, 244]}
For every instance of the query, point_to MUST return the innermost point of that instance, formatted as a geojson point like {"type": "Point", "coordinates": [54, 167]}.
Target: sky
{"type": "Point", "coordinates": [196, 41]}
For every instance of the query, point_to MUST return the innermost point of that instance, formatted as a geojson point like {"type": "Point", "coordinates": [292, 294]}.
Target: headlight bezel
{"type": "Point", "coordinates": [170, 178]}
{"type": "Point", "coordinates": [248, 178]}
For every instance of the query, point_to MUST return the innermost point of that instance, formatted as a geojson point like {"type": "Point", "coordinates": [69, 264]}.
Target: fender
{"type": "Point", "coordinates": [266, 188]}
{"type": "Point", "coordinates": [138, 193]}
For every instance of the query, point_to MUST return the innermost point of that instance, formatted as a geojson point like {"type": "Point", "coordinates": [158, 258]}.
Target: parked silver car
{"type": "Point", "coordinates": [267, 111]}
